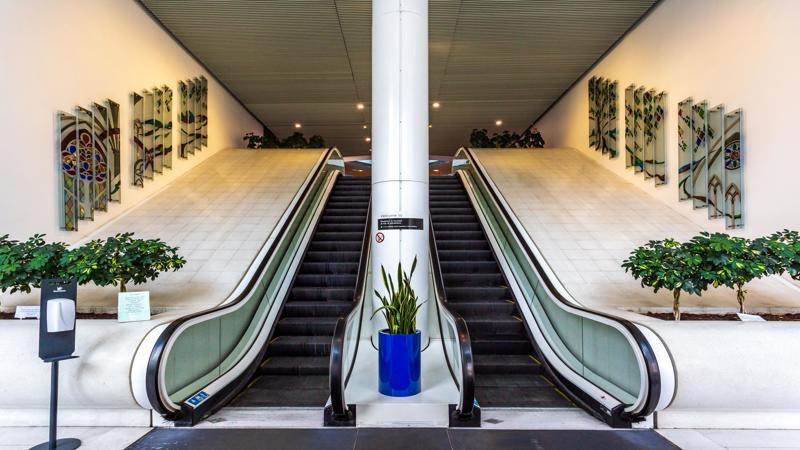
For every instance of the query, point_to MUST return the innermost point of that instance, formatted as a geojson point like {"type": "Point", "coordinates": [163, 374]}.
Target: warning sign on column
{"type": "Point", "coordinates": [400, 223]}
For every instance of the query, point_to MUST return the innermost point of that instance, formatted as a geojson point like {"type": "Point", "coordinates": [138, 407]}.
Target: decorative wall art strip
{"type": "Point", "coordinates": [183, 118]}
{"type": "Point", "coordinates": [166, 120]}
{"type": "Point", "coordinates": [68, 152]}
{"type": "Point", "coordinates": [630, 127]}
{"type": "Point", "coordinates": [716, 175]}
{"type": "Point", "coordinates": [85, 164]}
{"type": "Point", "coordinates": [660, 149]}
{"type": "Point", "coordinates": [733, 170]}
{"type": "Point", "coordinates": [645, 141]}
{"type": "Point", "coordinates": [158, 137]}
{"type": "Point", "coordinates": [100, 142]}
{"type": "Point", "coordinates": [699, 154]}
{"type": "Point", "coordinates": [649, 133]}
{"type": "Point", "coordinates": [685, 144]}
{"type": "Point", "coordinates": [204, 111]}
{"type": "Point", "coordinates": [198, 126]}
{"type": "Point", "coordinates": [147, 121]}
{"type": "Point", "coordinates": [190, 117]}
{"type": "Point", "coordinates": [603, 115]}
{"type": "Point", "coordinates": [138, 140]}
{"type": "Point", "coordinates": [114, 155]}
{"type": "Point", "coordinates": [638, 142]}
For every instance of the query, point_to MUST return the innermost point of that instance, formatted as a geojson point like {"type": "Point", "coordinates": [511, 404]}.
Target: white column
{"type": "Point", "coordinates": [400, 143]}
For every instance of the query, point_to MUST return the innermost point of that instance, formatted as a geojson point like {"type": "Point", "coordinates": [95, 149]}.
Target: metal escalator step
{"type": "Point", "coordinates": [295, 365]}
{"type": "Point", "coordinates": [306, 326]}
{"type": "Point", "coordinates": [521, 397]}
{"type": "Point", "coordinates": [443, 235]}
{"type": "Point", "coordinates": [319, 294]}
{"type": "Point", "coordinates": [470, 310]}
{"type": "Point", "coordinates": [506, 364]}
{"type": "Point", "coordinates": [502, 345]}
{"type": "Point", "coordinates": [335, 246]}
{"type": "Point", "coordinates": [323, 280]}
{"type": "Point", "coordinates": [480, 293]}
{"type": "Point", "coordinates": [467, 279]}
{"type": "Point", "coordinates": [318, 268]}
{"type": "Point", "coordinates": [316, 309]}
{"type": "Point", "coordinates": [469, 266]}
{"type": "Point", "coordinates": [299, 346]}
{"type": "Point", "coordinates": [316, 256]}
{"type": "Point", "coordinates": [479, 244]}
{"type": "Point", "coordinates": [466, 255]}
{"type": "Point", "coordinates": [492, 325]}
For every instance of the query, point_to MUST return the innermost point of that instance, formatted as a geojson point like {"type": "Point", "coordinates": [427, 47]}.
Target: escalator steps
{"type": "Point", "coordinates": [507, 375]}
{"type": "Point", "coordinates": [295, 368]}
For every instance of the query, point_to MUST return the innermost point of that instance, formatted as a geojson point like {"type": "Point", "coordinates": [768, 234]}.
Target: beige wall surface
{"type": "Point", "coordinates": [55, 55]}
{"type": "Point", "coordinates": [740, 53]}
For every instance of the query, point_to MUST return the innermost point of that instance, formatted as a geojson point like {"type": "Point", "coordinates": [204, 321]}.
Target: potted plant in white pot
{"type": "Point", "coordinates": [399, 345]}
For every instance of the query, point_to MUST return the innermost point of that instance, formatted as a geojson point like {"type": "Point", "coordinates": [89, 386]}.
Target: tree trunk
{"type": "Point", "coordinates": [122, 287]}
{"type": "Point", "coordinates": [740, 297]}
{"type": "Point", "coordinates": [676, 304]}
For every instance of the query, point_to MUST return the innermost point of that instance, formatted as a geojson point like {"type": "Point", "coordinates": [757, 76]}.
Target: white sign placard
{"type": "Point", "coordinates": [750, 317]}
{"type": "Point", "coordinates": [133, 306]}
{"type": "Point", "coordinates": [26, 312]}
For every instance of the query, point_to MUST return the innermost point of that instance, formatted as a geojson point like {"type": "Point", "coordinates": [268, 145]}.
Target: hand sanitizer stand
{"type": "Point", "coordinates": [57, 343]}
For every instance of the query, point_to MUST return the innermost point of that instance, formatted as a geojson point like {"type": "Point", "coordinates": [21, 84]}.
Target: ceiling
{"type": "Point", "coordinates": [309, 61]}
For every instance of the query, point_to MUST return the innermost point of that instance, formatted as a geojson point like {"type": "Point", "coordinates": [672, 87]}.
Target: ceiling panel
{"type": "Point", "coordinates": [309, 61]}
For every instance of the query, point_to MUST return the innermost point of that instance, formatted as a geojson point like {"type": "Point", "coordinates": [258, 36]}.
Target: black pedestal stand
{"type": "Point", "coordinates": [53, 443]}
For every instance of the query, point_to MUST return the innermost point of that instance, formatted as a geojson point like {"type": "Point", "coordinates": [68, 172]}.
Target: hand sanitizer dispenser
{"type": "Point", "coordinates": [60, 315]}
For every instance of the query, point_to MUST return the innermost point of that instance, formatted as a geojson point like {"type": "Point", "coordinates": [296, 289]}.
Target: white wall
{"type": "Point", "coordinates": [741, 53]}
{"type": "Point", "coordinates": [55, 55]}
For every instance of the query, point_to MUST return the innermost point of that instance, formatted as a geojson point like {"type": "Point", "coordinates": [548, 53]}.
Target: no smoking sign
{"type": "Point", "coordinates": [379, 237]}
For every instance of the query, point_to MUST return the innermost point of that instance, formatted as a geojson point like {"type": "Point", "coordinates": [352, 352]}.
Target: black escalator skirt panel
{"type": "Point", "coordinates": [507, 372]}
{"type": "Point", "coordinates": [295, 367]}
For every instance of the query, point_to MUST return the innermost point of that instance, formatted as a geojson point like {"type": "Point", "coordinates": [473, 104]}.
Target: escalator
{"type": "Point", "coordinates": [294, 371]}
{"type": "Point", "coordinates": [507, 371]}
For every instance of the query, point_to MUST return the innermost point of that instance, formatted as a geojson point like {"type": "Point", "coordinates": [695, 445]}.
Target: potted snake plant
{"type": "Point", "coordinates": [400, 354]}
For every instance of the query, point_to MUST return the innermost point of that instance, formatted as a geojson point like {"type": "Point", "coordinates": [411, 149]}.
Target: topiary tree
{"type": "Point", "coordinates": [316, 141]}
{"type": "Point", "coordinates": [23, 265]}
{"type": "Point", "coordinates": [121, 259]}
{"type": "Point", "coordinates": [667, 264]}
{"type": "Point", "coordinates": [480, 138]}
{"type": "Point", "coordinates": [780, 252]}
{"type": "Point", "coordinates": [729, 261]}
{"type": "Point", "coordinates": [296, 140]}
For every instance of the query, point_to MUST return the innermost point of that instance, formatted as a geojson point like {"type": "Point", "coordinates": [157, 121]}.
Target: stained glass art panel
{"type": "Point", "coordinates": [198, 125]}
{"type": "Point", "coordinates": [715, 162]}
{"type": "Point", "coordinates": [649, 132]}
{"type": "Point", "coordinates": [593, 116]}
{"type": "Point", "coordinates": [149, 151]}
{"type": "Point", "coordinates": [638, 143]}
{"type": "Point", "coordinates": [204, 111]}
{"type": "Point", "coordinates": [733, 152]}
{"type": "Point", "coordinates": [68, 155]}
{"type": "Point", "coordinates": [138, 140]}
{"type": "Point", "coordinates": [630, 128]}
{"type": "Point", "coordinates": [699, 154]}
{"type": "Point", "coordinates": [114, 156]}
{"type": "Point", "coordinates": [685, 146]}
{"type": "Point", "coordinates": [660, 150]}
{"type": "Point", "coordinates": [158, 139]}
{"type": "Point", "coordinates": [166, 120]}
{"type": "Point", "coordinates": [611, 124]}
{"type": "Point", "coordinates": [100, 142]}
{"type": "Point", "coordinates": [190, 117]}
{"type": "Point", "coordinates": [183, 118]}
{"type": "Point", "coordinates": [85, 164]}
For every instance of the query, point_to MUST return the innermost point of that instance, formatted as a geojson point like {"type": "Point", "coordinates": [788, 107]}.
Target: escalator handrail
{"type": "Point", "coordinates": [467, 385]}
{"type": "Point", "coordinates": [338, 379]}
{"type": "Point", "coordinates": [645, 348]}
{"type": "Point", "coordinates": [158, 351]}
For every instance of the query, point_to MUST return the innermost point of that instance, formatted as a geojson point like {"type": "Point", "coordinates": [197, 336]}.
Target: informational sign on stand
{"type": "Point", "coordinates": [133, 306]}
{"type": "Point", "coordinates": [26, 312]}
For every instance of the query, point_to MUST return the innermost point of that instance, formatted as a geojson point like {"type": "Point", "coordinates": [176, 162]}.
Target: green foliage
{"type": "Point", "coordinates": [23, 265]}
{"type": "Point", "coordinates": [400, 307]}
{"type": "Point", "coordinates": [296, 140]}
{"type": "Point", "coordinates": [121, 259]}
{"type": "Point", "coordinates": [781, 252]}
{"type": "Point", "coordinates": [729, 261]}
{"type": "Point", "coordinates": [667, 264]}
{"type": "Point", "coordinates": [530, 138]}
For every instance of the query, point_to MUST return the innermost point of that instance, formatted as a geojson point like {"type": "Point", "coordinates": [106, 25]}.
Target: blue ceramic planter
{"type": "Point", "coordinates": [399, 364]}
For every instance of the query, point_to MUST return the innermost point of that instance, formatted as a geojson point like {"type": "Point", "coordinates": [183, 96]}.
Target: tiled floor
{"type": "Point", "coordinates": [219, 214]}
{"type": "Point", "coordinates": [401, 438]}
{"type": "Point", "coordinates": [586, 220]}
{"type": "Point", "coordinates": [94, 438]}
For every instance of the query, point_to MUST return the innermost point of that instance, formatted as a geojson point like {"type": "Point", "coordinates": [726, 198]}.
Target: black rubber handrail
{"type": "Point", "coordinates": [338, 379]}
{"type": "Point", "coordinates": [618, 416]}
{"type": "Point", "coordinates": [467, 384]}
{"type": "Point", "coordinates": [157, 354]}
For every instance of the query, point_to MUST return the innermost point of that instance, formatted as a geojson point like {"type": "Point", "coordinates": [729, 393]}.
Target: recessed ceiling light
{"type": "Point", "coordinates": [430, 126]}
{"type": "Point", "coordinates": [297, 125]}
{"type": "Point", "coordinates": [364, 127]}
{"type": "Point", "coordinates": [436, 104]}
{"type": "Point", "coordinates": [498, 122]}
{"type": "Point", "coordinates": [360, 106]}
{"type": "Point", "coordinates": [368, 139]}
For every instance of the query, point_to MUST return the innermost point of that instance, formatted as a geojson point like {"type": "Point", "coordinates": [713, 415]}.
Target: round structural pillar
{"type": "Point", "coordinates": [400, 147]}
